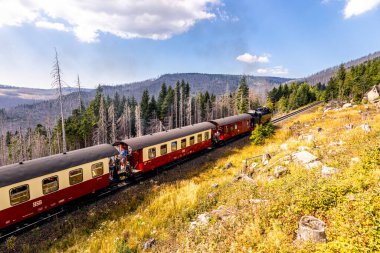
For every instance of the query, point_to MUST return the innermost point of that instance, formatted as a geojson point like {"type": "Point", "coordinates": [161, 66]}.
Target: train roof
{"type": "Point", "coordinates": [160, 137]}
{"type": "Point", "coordinates": [232, 119]}
{"type": "Point", "coordinates": [19, 172]}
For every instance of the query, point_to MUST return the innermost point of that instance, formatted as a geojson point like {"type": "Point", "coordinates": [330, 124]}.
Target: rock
{"type": "Point", "coordinates": [349, 126]}
{"type": "Point", "coordinates": [355, 159]}
{"type": "Point", "coordinates": [211, 195]}
{"type": "Point", "coordinates": [228, 165]}
{"type": "Point", "coordinates": [336, 143]}
{"type": "Point", "coordinates": [203, 218]}
{"type": "Point", "coordinates": [244, 177]}
{"type": "Point", "coordinates": [304, 157]}
{"type": "Point", "coordinates": [271, 178]}
{"type": "Point", "coordinates": [313, 165]}
{"type": "Point", "coordinates": [351, 197]}
{"type": "Point", "coordinates": [265, 159]}
{"type": "Point", "coordinates": [279, 171]}
{"type": "Point", "coordinates": [303, 148]}
{"type": "Point", "coordinates": [257, 201]}
{"type": "Point", "coordinates": [310, 138]}
{"type": "Point", "coordinates": [328, 171]}
{"type": "Point", "coordinates": [149, 244]}
{"type": "Point", "coordinates": [326, 110]}
{"type": "Point", "coordinates": [311, 229]}
{"type": "Point", "coordinates": [215, 185]}
{"type": "Point", "coordinates": [366, 128]}
{"type": "Point", "coordinates": [347, 105]}
{"type": "Point", "coordinates": [223, 212]}
{"type": "Point", "coordinates": [284, 146]}
{"type": "Point", "coordinates": [253, 166]}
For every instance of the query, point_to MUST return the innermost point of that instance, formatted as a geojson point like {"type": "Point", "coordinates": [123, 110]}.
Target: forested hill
{"type": "Point", "coordinates": [28, 115]}
{"type": "Point", "coordinates": [325, 75]}
{"type": "Point", "coordinates": [213, 83]}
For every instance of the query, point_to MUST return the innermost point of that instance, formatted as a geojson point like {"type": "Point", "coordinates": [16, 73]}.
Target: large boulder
{"type": "Point", "coordinates": [279, 171]}
{"type": "Point", "coordinates": [304, 157]}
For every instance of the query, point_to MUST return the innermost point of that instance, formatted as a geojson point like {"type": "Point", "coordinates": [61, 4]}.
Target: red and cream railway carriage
{"type": "Point", "coordinates": [232, 126]}
{"type": "Point", "coordinates": [32, 187]}
{"type": "Point", "coordinates": [148, 152]}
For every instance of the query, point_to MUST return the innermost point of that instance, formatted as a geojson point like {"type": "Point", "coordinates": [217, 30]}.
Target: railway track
{"type": "Point", "coordinates": [83, 201]}
{"type": "Point", "coordinates": [289, 115]}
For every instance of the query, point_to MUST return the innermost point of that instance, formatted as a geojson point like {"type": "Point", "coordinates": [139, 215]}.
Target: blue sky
{"type": "Point", "coordinates": [114, 42]}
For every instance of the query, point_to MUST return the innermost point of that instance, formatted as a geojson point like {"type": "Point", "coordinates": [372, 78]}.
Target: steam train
{"type": "Point", "coordinates": [32, 187]}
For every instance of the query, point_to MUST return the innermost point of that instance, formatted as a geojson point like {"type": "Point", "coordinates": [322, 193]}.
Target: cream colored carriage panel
{"type": "Point", "coordinates": [35, 184]}
{"type": "Point", "coordinates": [158, 146]}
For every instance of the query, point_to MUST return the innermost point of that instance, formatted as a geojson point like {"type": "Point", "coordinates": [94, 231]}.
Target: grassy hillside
{"type": "Point", "coordinates": [258, 215]}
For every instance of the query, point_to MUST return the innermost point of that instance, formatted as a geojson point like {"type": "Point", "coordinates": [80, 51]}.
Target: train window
{"type": "Point", "coordinates": [235, 126]}
{"type": "Point", "coordinates": [192, 140]}
{"type": "Point", "coordinates": [97, 169]}
{"type": "Point", "coordinates": [76, 176]}
{"type": "Point", "coordinates": [227, 129]}
{"type": "Point", "coordinates": [19, 194]}
{"type": "Point", "coordinates": [173, 146]}
{"type": "Point", "coordinates": [163, 149]}
{"type": "Point", "coordinates": [199, 138]}
{"type": "Point", "coordinates": [151, 153]}
{"type": "Point", "coordinates": [183, 143]}
{"type": "Point", "coordinates": [50, 184]}
{"type": "Point", "coordinates": [207, 136]}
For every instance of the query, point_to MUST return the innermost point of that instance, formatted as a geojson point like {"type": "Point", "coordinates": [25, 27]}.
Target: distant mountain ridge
{"type": "Point", "coordinates": [28, 115]}
{"type": "Point", "coordinates": [11, 96]}
{"type": "Point", "coordinates": [325, 75]}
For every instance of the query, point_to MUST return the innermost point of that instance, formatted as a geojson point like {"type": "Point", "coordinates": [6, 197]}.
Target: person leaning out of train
{"type": "Point", "coordinates": [112, 168]}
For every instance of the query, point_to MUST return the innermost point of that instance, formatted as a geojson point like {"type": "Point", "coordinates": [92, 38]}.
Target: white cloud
{"type": "Point", "coordinates": [278, 70]}
{"type": "Point", "coordinates": [153, 19]}
{"type": "Point", "coordinates": [248, 58]}
{"type": "Point", "coordinates": [51, 25]}
{"type": "Point", "coordinates": [358, 7]}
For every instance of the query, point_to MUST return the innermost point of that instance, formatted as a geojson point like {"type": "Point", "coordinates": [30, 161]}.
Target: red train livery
{"type": "Point", "coordinates": [32, 187]}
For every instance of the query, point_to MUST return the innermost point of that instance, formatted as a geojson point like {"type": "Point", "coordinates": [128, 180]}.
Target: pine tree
{"type": "Point", "coordinates": [242, 96]}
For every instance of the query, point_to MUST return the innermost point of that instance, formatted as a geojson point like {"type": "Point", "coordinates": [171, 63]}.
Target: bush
{"type": "Point", "coordinates": [261, 132]}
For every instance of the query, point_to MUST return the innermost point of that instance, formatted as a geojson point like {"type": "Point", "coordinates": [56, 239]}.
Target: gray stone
{"type": "Point", "coordinates": [347, 105]}
{"type": "Point", "coordinates": [311, 229]}
{"type": "Point", "coordinates": [328, 171]}
{"type": "Point", "coordinates": [223, 212]}
{"type": "Point", "coordinates": [349, 126]}
{"type": "Point", "coordinates": [149, 244]}
{"type": "Point", "coordinates": [313, 165]}
{"type": "Point", "coordinates": [284, 146]}
{"type": "Point", "coordinates": [253, 166]}
{"type": "Point", "coordinates": [366, 128]}
{"type": "Point", "coordinates": [355, 159]}
{"type": "Point", "coordinates": [265, 159]}
{"type": "Point", "coordinates": [279, 171]}
{"type": "Point", "coordinates": [215, 185]}
{"type": "Point", "coordinates": [257, 201]}
{"type": "Point", "coordinates": [304, 157]}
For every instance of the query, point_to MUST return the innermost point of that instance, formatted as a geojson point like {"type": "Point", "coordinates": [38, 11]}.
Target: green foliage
{"type": "Point", "coordinates": [242, 102]}
{"type": "Point", "coordinates": [262, 132]}
{"type": "Point", "coordinates": [354, 82]}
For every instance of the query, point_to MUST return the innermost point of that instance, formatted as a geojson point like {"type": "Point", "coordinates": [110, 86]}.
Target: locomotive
{"type": "Point", "coordinates": [32, 187]}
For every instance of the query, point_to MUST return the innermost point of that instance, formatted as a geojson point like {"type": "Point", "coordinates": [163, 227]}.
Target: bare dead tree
{"type": "Point", "coordinates": [57, 83]}
{"type": "Point", "coordinates": [111, 114]}
{"type": "Point", "coordinates": [79, 95]}
{"type": "Point", "coordinates": [102, 123]}
{"type": "Point", "coordinates": [139, 129]}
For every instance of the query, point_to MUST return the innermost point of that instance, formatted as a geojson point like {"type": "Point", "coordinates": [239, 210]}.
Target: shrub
{"type": "Point", "coordinates": [261, 132]}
